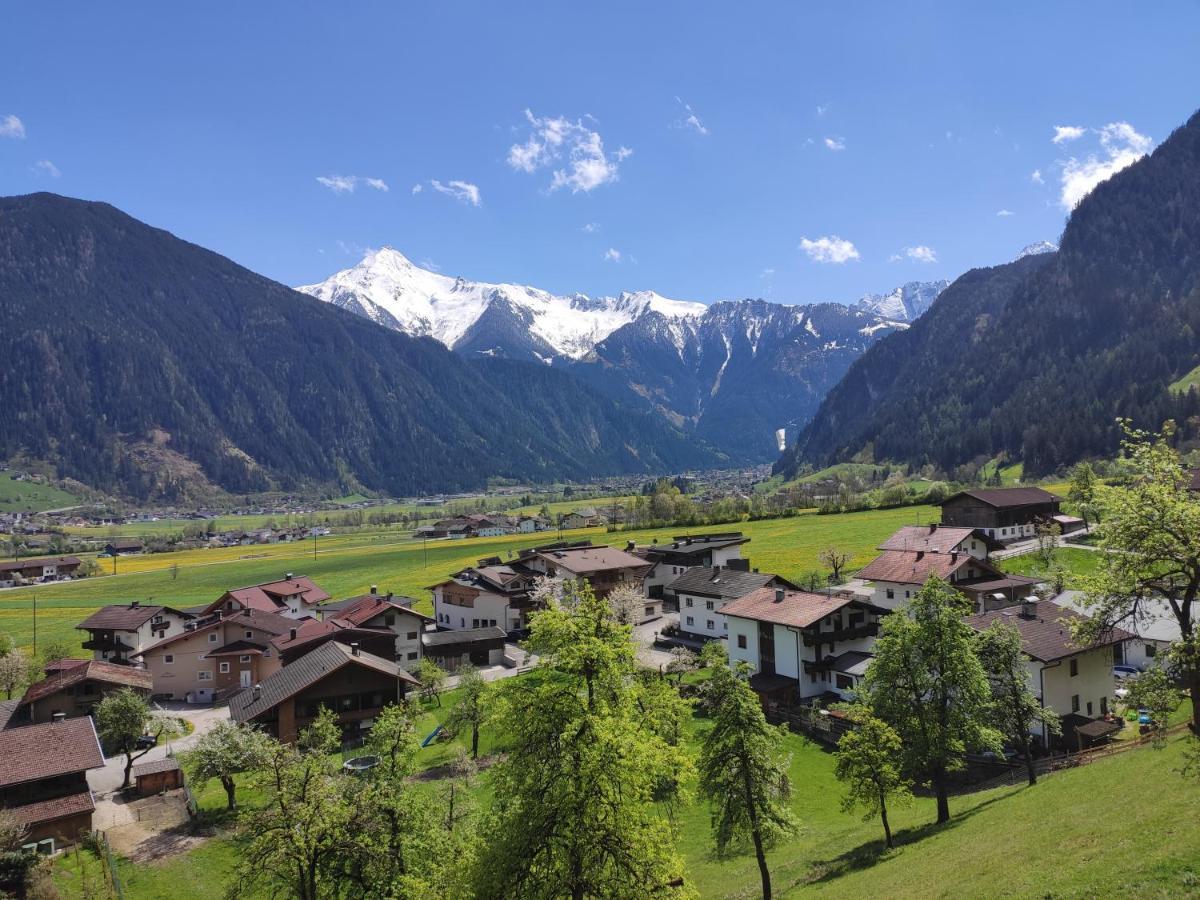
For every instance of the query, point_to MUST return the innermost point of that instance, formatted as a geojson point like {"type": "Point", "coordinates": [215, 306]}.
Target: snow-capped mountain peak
{"type": "Point", "coordinates": [1036, 248]}
{"type": "Point", "coordinates": [905, 303]}
{"type": "Point", "coordinates": [390, 289]}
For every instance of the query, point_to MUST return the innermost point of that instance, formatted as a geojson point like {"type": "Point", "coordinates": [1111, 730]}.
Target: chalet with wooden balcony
{"type": "Point", "coordinates": [118, 631]}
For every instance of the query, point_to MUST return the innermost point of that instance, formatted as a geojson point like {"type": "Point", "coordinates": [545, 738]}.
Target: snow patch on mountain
{"type": "Point", "coordinates": [1037, 248]}
{"type": "Point", "coordinates": [906, 303]}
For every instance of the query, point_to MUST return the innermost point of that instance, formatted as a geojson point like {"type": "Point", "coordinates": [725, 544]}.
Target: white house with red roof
{"type": "Point", "coordinates": [294, 597]}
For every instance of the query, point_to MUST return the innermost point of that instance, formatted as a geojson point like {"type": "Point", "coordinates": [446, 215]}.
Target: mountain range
{"type": "Point", "coordinates": [149, 367]}
{"type": "Point", "coordinates": [1037, 359]}
{"type": "Point", "coordinates": [735, 374]}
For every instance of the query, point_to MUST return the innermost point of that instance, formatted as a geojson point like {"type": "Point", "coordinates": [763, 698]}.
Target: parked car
{"type": "Point", "coordinates": [146, 741]}
{"type": "Point", "coordinates": [1124, 672]}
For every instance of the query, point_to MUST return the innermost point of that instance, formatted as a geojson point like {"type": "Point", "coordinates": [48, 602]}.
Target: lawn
{"type": "Point", "coordinates": [1121, 826]}
{"type": "Point", "coordinates": [346, 565]}
{"type": "Point", "coordinates": [1187, 382]}
{"type": "Point", "coordinates": [29, 496]}
{"type": "Point", "coordinates": [1078, 564]}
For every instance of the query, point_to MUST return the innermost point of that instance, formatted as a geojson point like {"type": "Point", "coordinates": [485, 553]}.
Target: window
{"type": "Point", "coordinates": [844, 682]}
{"type": "Point", "coordinates": [412, 655]}
{"type": "Point", "coordinates": [1104, 706]}
{"type": "Point", "coordinates": [267, 653]}
{"type": "Point", "coordinates": [648, 611]}
{"type": "Point", "coordinates": [412, 635]}
{"type": "Point", "coordinates": [709, 624]}
{"type": "Point", "coordinates": [687, 601]}
{"type": "Point", "coordinates": [474, 623]}
{"type": "Point", "coordinates": [1089, 707]}
{"type": "Point", "coordinates": [206, 675]}
{"type": "Point", "coordinates": [244, 658]}
{"type": "Point", "coordinates": [1150, 650]}
{"type": "Point", "coordinates": [1074, 703]}
{"type": "Point", "coordinates": [741, 642]}
{"type": "Point", "coordinates": [1074, 667]}
{"type": "Point", "coordinates": [708, 604]}
{"type": "Point", "coordinates": [249, 635]}
{"type": "Point", "coordinates": [389, 620]}
{"type": "Point", "coordinates": [691, 621]}
{"type": "Point", "coordinates": [212, 637]}
{"type": "Point", "coordinates": [891, 595]}
{"type": "Point", "coordinates": [907, 594]}
{"type": "Point", "coordinates": [224, 668]}
{"type": "Point", "coordinates": [168, 659]}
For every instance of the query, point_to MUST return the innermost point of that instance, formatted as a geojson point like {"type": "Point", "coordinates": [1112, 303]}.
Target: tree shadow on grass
{"type": "Point", "coordinates": [866, 855]}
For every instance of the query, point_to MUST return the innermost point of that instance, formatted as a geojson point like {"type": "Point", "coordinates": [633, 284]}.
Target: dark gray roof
{"type": "Point", "coordinates": [1046, 629]}
{"type": "Point", "coordinates": [166, 764]}
{"type": "Point", "coordinates": [303, 673]}
{"type": "Point", "coordinates": [719, 581]}
{"type": "Point", "coordinates": [126, 617]}
{"type": "Point", "coordinates": [852, 662]}
{"type": "Point", "coordinates": [462, 636]}
{"type": "Point", "coordinates": [8, 709]}
{"type": "Point", "coordinates": [692, 545]}
{"type": "Point", "coordinates": [1008, 498]}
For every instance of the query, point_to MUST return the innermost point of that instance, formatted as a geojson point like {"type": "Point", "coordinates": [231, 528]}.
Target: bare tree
{"type": "Point", "coordinates": [835, 560]}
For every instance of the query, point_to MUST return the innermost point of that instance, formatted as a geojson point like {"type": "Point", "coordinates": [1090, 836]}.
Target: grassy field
{"type": "Point", "coordinates": [1187, 382]}
{"type": "Point", "coordinates": [350, 564]}
{"type": "Point", "coordinates": [1124, 826]}
{"type": "Point", "coordinates": [1077, 563]}
{"type": "Point", "coordinates": [28, 496]}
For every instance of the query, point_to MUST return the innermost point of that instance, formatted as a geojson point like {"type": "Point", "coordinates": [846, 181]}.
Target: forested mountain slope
{"type": "Point", "coordinates": [1036, 359]}
{"type": "Point", "coordinates": [142, 364]}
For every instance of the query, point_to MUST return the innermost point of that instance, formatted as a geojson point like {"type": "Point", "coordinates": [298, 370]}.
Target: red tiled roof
{"type": "Point", "coordinates": [254, 619]}
{"type": "Point", "coordinates": [930, 538]}
{"type": "Point", "coordinates": [1046, 635]}
{"type": "Point", "coordinates": [369, 606]}
{"type": "Point", "coordinates": [89, 670]}
{"type": "Point", "coordinates": [49, 810]}
{"type": "Point", "coordinates": [916, 568]}
{"type": "Point", "coordinates": [269, 597]}
{"type": "Point", "coordinates": [33, 752]}
{"type": "Point", "coordinates": [799, 609]}
{"type": "Point", "coordinates": [585, 560]}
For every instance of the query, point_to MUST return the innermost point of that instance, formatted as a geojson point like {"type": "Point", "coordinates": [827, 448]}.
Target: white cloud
{"type": "Point", "coordinates": [1036, 177]}
{"type": "Point", "coordinates": [583, 164]}
{"type": "Point", "coordinates": [835, 143]}
{"type": "Point", "coordinates": [591, 227]}
{"type": "Point", "coordinates": [612, 255]}
{"type": "Point", "coordinates": [821, 110]}
{"type": "Point", "coordinates": [1121, 146]}
{"type": "Point", "coordinates": [11, 127]}
{"type": "Point", "coordinates": [346, 184]}
{"type": "Point", "coordinates": [1066, 133]}
{"type": "Point", "coordinates": [690, 119]}
{"type": "Point", "coordinates": [459, 190]}
{"type": "Point", "coordinates": [921, 254]}
{"type": "Point", "coordinates": [418, 187]}
{"type": "Point", "coordinates": [829, 249]}
{"type": "Point", "coordinates": [1005, 212]}
{"type": "Point", "coordinates": [45, 167]}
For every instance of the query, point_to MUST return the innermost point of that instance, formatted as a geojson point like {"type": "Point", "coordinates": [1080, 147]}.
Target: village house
{"type": "Point", "coordinates": [43, 779]}
{"type": "Point", "coordinates": [491, 594]}
{"type": "Point", "coordinates": [354, 684]}
{"type": "Point", "coordinates": [75, 687]}
{"type": "Point", "coordinates": [800, 645]}
{"type": "Point", "coordinates": [958, 555]}
{"type": "Point", "coordinates": [295, 597]}
{"type": "Point", "coordinates": [1153, 630]}
{"type": "Point", "coordinates": [530, 524]}
{"type": "Point", "coordinates": [387, 613]}
{"type": "Point", "coordinates": [49, 568]}
{"type": "Point", "coordinates": [123, 547]}
{"type": "Point", "coordinates": [701, 592]}
{"type": "Point", "coordinates": [585, 517]}
{"type": "Point", "coordinates": [686, 551]}
{"type": "Point", "coordinates": [119, 630]}
{"type": "Point", "coordinates": [604, 568]}
{"type": "Point", "coordinates": [1007, 514]}
{"type": "Point", "coordinates": [216, 654]}
{"type": "Point", "coordinates": [1074, 681]}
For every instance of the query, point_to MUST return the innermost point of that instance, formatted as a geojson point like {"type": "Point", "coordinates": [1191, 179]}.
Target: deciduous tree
{"type": "Point", "coordinates": [432, 678]}
{"type": "Point", "coordinates": [13, 671]}
{"type": "Point", "coordinates": [869, 764]}
{"type": "Point", "coordinates": [472, 709]}
{"type": "Point", "coordinates": [1083, 490]}
{"type": "Point", "coordinates": [227, 751]}
{"type": "Point", "coordinates": [1015, 711]}
{"type": "Point", "coordinates": [122, 718]}
{"type": "Point", "coordinates": [743, 772]}
{"type": "Point", "coordinates": [928, 684]}
{"type": "Point", "coordinates": [835, 560]}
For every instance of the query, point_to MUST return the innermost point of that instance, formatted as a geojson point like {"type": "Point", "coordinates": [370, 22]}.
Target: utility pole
{"type": "Point", "coordinates": [35, 624]}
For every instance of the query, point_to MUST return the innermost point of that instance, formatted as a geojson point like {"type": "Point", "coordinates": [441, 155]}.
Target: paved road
{"type": "Point", "coordinates": [108, 779]}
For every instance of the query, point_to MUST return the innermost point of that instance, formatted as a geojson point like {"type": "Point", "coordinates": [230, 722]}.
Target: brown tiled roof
{"type": "Point", "coordinates": [305, 672]}
{"type": "Point", "coordinates": [17, 565]}
{"type": "Point", "coordinates": [119, 617]}
{"type": "Point", "coordinates": [234, 648]}
{"type": "Point", "coordinates": [50, 810]}
{"type": "Point", "coordinates": [262, 621]}
{"type": "Point", "coordinates": [34, 752]}
{"type": "Point", "coordinates": [586, 560]}
{"type": "Point", "coordinates": [798, 609]}
{"type": "Point", "coordinates": [1002, 498]}
{"type": "Point", "coordinates": [312, 631]}
{"type": "Point", "coordinates": [268, 597]}
{"type": "Point", "coordinates": [916, 568]}
{"type": "Point", "coordinates": [89, 670]}
{"type": "Point", "coordinates": [1046, 636]}
{"type": "Point", "coordinates": [930, 538]}
{"type": "Point", "coordinates": [371, 605]}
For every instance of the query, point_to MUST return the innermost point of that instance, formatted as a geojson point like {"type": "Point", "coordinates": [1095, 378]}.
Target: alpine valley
{"type": "Point", "coordinates": [736, 375]}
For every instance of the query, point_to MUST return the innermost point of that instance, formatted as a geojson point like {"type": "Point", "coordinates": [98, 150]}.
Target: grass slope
{"type": "Point", "coordinates": [29, 496]}
{"type": "Point", "coordinates": [350, 564]}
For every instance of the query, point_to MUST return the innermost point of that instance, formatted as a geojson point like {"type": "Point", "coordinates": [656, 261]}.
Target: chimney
{"type": "Point", "coordinates": [354, 649]}
{"type": "Point", "coordinates": [246, 612]}
{"type": "Point", "coordinates": [58, 716]}
{"type": "Point", "coordinates": [291, 634]}
{"type": "Point", "coordinates": [374, 589]}
{"type": "Point", "coordinates": [629, 545]}
{"type": "Point", "coordinates": [1029, 609]}
{"type": "Point", "coordinates": [389, 596]}
{"type": "Point", "coordinates": [257, 691]}
{"type": "Point", "coordinates": [135, 604]}
{"type": "Point", "coordinates": [287, 576]}
{"type": "Point", "coordinates": [933, 527]}
{"type": "Point", "coordinates": [778, 595]}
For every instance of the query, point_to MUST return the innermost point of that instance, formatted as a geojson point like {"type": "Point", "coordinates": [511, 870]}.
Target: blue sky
{"type": "Point", "coordinates": [789, 150]}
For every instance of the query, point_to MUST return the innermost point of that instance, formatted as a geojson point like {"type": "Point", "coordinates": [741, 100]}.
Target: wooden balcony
{"type": "Point", "coordinates": [850, 633]}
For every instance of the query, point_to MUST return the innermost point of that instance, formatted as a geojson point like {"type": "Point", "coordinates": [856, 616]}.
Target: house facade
{"type": "Point", "coordinates": [491, 594]}
{"type": "Point", "coordinates": [1006, 514]}
{"type": "Point", "coordinates": [75, 687]}
{"type": "Point", "coordinates": [603, 568]}
{"type": "Point", "coordinates": [294, 597]}
{"type": "Point", "coordinates": [47, 568]}
{"type": "Point", "coordinates": [384, 613]}
{"type": "Point", "coordinates": [701, 593]}
{"type": "Point", "coordinates": [670, 560]}
{"type": "Point", "coordinates": [117, 631]}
